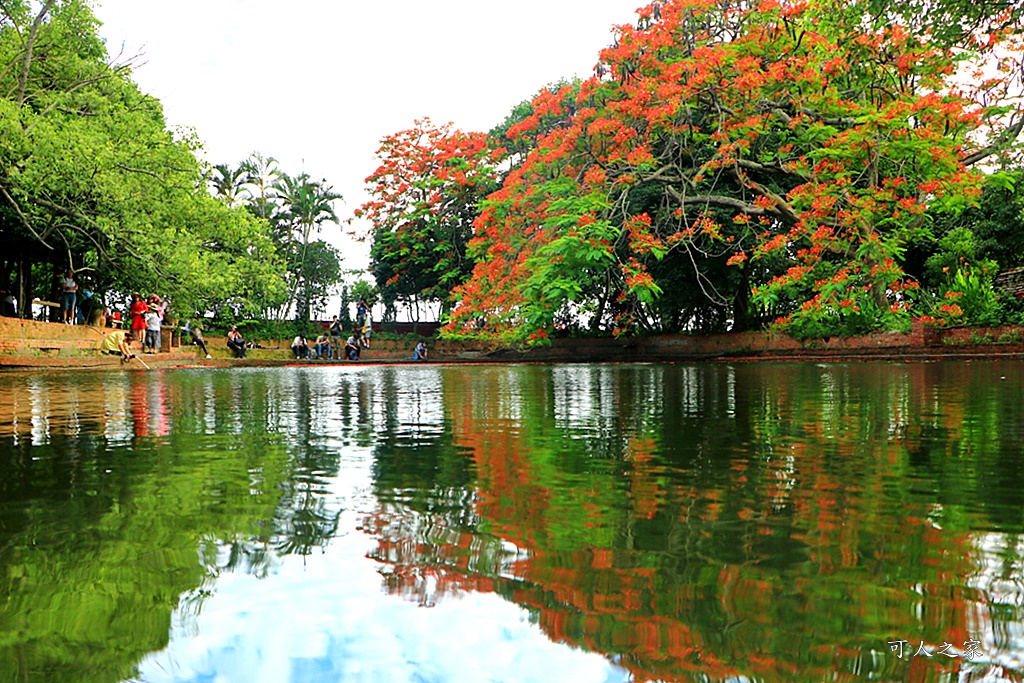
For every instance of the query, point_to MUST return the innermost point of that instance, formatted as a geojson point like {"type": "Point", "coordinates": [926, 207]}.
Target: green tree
{"type": "Point", "coordinates": [92, 178]}
{"type": "Point", "coordinates": [304, 206]}
{"type": "Point", "coordinates": [261, 175]}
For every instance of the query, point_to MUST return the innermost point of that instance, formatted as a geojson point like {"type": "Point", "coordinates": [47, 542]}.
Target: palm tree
{"type": "Point", "coordinates": [228, 184]}
{"type": "Point", "coordinates": [305, 205]}
{"type": "Point", "coordinates": [261, 175]}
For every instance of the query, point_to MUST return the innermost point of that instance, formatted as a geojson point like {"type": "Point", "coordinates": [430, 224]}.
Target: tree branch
{"type": "Point", "coordinates": [1005, 138]}
{"type": "Point", "coordinates": [29, 44]}
{"type": "Point", "coordinates": [61, 211]}
{"type": "Point", "coordinates": [21, 216]}
{"type": "Point", "coordinates": [721, 201]}
{"type": "Point", "coordinates": [783, 207]}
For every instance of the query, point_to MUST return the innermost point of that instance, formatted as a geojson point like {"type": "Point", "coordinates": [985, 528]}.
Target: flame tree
{"type": "Point", "coordinates": [805, 145]}
{"type": "Point", "coordinates": [423, 203]}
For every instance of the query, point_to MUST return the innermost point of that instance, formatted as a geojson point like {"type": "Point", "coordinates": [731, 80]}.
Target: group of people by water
{"type": "Point", "coordinates": [148, 315]}
{"type": "Point", "coordinates": [328, 346]}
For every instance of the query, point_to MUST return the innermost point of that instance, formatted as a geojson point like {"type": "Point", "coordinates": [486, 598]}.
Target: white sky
{"type": "Point", "coordinates": [317, 83]}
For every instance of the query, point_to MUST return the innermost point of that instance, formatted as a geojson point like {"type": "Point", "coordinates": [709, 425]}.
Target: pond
{"type": "Point", "coordinates": [584, 523]}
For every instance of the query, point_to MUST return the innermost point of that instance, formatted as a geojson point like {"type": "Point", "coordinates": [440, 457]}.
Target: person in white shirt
{"type": "Point", "coordinates": [69, 297]}
{"type": "Point", "coordinates": [152, 330]}
{"type": "Point", "coordinates": [300, 347]}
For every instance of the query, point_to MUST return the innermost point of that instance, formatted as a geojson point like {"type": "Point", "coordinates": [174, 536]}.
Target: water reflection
{"type": "Point", "coordinates": [680, 523]}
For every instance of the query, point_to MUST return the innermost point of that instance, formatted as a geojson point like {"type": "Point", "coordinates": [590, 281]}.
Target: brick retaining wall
{"type": "Point", "coordinates": [30, 339]}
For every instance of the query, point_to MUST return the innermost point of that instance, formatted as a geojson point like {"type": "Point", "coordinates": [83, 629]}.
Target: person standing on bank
{"type": "Point", "coordinates": [69, 297]}
{"type": "Point", "coordinates": [152, 330]}
{"type": "Point", "coordinates": [361, 311]}
{"type": "Point", "coordinates": [138, 312]}
{"type": "Point", "coordinates": [335, 333]}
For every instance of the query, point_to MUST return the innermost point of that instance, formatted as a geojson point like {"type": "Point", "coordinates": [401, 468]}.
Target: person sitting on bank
{"type": "Point", "coordinates": [118, 343]}
{"type": "Point", "coordinates": [420, 352]}
{"type": "Point", "coordinates": [236, 343]}
{"type": "Point", "coordinates": [300, 347]}
{"type": "Point", "coordinates": [322, 347]}
{"type": "Point", "coordinates": [352, 348]}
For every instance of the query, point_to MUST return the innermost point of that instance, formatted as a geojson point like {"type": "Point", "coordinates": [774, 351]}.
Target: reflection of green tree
{"type": "Point", "coordinates": [98, 548]}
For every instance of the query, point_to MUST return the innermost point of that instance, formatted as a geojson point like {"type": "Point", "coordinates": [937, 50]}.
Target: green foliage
{"type": "Point", "coordinates": [262, 329]}
{"type": "Point", "coordinates": [91, 177]}
{"type": "Point", "coordinates": [1015, 336]}
{"type": "Point", "coordinates": [845, 321]}
{"type": "Point", "coordinates": [956, 249]}
{"type": "Point", "coordinates": [969, 299]}
{"type": "Point", "coordinates": [366, 291]}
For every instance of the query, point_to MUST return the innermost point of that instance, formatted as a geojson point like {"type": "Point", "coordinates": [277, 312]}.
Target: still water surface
{"type": "Point", "coordinates": [525, 523]}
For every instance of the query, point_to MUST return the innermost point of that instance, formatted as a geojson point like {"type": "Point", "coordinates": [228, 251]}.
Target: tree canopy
{"type": "Point", "coordinates": [424, 198]}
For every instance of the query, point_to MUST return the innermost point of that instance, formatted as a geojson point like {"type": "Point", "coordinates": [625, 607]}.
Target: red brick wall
{"type": "Point", "coordinates": [32, 338]}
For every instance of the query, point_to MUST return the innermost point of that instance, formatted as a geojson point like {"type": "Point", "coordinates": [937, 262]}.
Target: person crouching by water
{"type": "Point", "coordinates": [420, 352]}
{"type": "Point", "coordinates": [300, 347]}
{"type": "Point", "coordinates": [322, 347]}
{"type": "Point", "coordinates": [152, 344]}
{"type": "Point", "coordinates": [351, 348]}
{"type": "Point", "coordinates": [117, 343]}
{"type": "Point", "coordinates": [236, 343]}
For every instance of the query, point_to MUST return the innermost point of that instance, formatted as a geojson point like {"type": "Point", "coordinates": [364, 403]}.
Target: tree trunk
{"type": "Point", "coordinates": [595, 323]}
{"type": "Point", "coordinates": [55, 314]}
{"type": "Point", "coordinates": [23, 287]}
{"type": "Point", "coordinates": [741, 302]}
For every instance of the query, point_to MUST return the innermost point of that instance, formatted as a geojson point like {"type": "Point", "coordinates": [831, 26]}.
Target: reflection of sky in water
{"type": "Point", "coordinates": [324, 617]}
{"type": "Point", "coordinates": [328, 621]}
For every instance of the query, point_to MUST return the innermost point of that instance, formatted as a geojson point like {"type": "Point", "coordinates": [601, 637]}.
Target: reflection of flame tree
{"type": "Point", "coordinates": [757, 522]}
{"type": "Point", "coordinates": [425, 526]}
